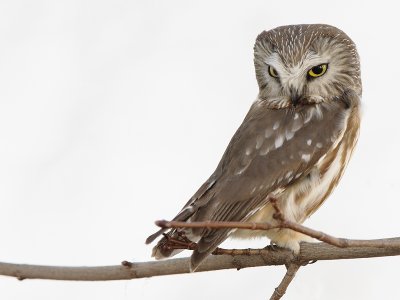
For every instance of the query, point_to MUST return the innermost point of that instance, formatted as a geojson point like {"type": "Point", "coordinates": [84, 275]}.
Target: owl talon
{"type": "Point", "coordinates": [272, 247]}
{"type": "Point", "coordinates": [178, 241]}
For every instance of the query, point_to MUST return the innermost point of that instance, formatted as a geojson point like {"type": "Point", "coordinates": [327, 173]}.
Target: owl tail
{"type": "Point", "coordinates": [162, 250]}
{"type": "Point", "coordinates": [206, 245]}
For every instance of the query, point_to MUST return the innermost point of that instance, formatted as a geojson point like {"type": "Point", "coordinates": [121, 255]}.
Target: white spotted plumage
{"type": "Point", "coordinates": [293, 145]}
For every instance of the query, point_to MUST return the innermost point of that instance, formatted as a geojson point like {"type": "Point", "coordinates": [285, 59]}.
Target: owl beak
{"type": "Point", "coordinates": [294, 96]}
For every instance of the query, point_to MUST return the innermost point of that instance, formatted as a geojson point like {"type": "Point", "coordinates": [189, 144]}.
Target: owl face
{"type": "Point", "coordinates": [305, 64]}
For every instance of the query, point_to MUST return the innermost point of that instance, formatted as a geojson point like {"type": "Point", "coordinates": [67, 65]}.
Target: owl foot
{"type": "Point", "coordinates": [272, 247]}
{"type": "Point", "coordinates": [178, 241]}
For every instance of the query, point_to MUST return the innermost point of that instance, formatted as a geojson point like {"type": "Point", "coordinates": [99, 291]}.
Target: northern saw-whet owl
{"type": "Point", "coordinates": [293, 144]}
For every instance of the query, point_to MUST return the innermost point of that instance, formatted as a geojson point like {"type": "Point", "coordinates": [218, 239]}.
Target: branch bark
{"type": "Point", "coordinates": [293, 264]}
{"type": "Point", "coordinates": [252, 258]}
{"type": "Point", "coordinates": [287, 279]}
{"type": "Point", "coordinates": [319, 235]}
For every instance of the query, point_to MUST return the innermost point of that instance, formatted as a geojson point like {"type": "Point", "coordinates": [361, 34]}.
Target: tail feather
{"type": "Point", "coordinates": [183, 215]}
{"type": "Point", "coordinates": [206, 246]}
{"type": "Point", "coordinates": [161, 250]}
{"type": "Point", "coordinates": [197, 258]}
{"type": "Point", "coordinates": [152, 237]}
{"type": "Point", "coordinates": [200, 198]}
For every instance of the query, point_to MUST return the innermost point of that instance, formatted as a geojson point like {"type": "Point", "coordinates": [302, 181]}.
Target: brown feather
{"type": "Point", "coordinates": [294, 151]}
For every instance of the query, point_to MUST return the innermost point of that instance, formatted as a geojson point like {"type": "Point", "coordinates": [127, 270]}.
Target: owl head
{"type": "Point", "coordinates": [305, 64]}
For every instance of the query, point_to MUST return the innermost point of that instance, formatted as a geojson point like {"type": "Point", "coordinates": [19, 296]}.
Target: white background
{"type": "Point", "coordinates": [112, 113]}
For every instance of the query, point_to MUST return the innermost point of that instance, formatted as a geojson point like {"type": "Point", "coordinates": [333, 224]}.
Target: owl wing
{"type": "Point", "coordinates": [188, 209]}
{"type": "Point", "coordinates": [270, 150]}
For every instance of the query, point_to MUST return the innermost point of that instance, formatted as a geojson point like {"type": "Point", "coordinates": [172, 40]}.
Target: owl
{"type": "Point", "coordinates": [293, 144]}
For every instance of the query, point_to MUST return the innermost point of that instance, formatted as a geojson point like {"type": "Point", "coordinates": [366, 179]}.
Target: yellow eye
{"type": "Point", "coordinates": [318, 70]}
{"type": "Point", "coordinates": [272, 72]}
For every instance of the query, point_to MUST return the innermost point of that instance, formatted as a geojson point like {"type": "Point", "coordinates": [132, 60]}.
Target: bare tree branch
{"type": "Point", "coordinates": [282, 222]}
{"type": "Point", "coordinates": [319, 235]}
{"type": "Point", "coordinates": [292, 265]}
{"type": "Point", "coordinates": [181, 242]}
{"type": "Point", "coordinates": [287, 279]}
{"type": "Point", "coordinates": [331, 248]}
{"type": "Point", "coordinates": [257, 258]}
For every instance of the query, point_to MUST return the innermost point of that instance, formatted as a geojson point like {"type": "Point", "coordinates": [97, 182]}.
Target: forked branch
{"type": "Point", "coordinates": [293, 264]}
{"type": "Point", "coordinates": [237, 259]}
{"type": "Point", "coordinates": [287, 279]}
{"type": "Point", "coordinates": [332, 249]}
{"type": "Point", "coordinates": [319, 235]}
